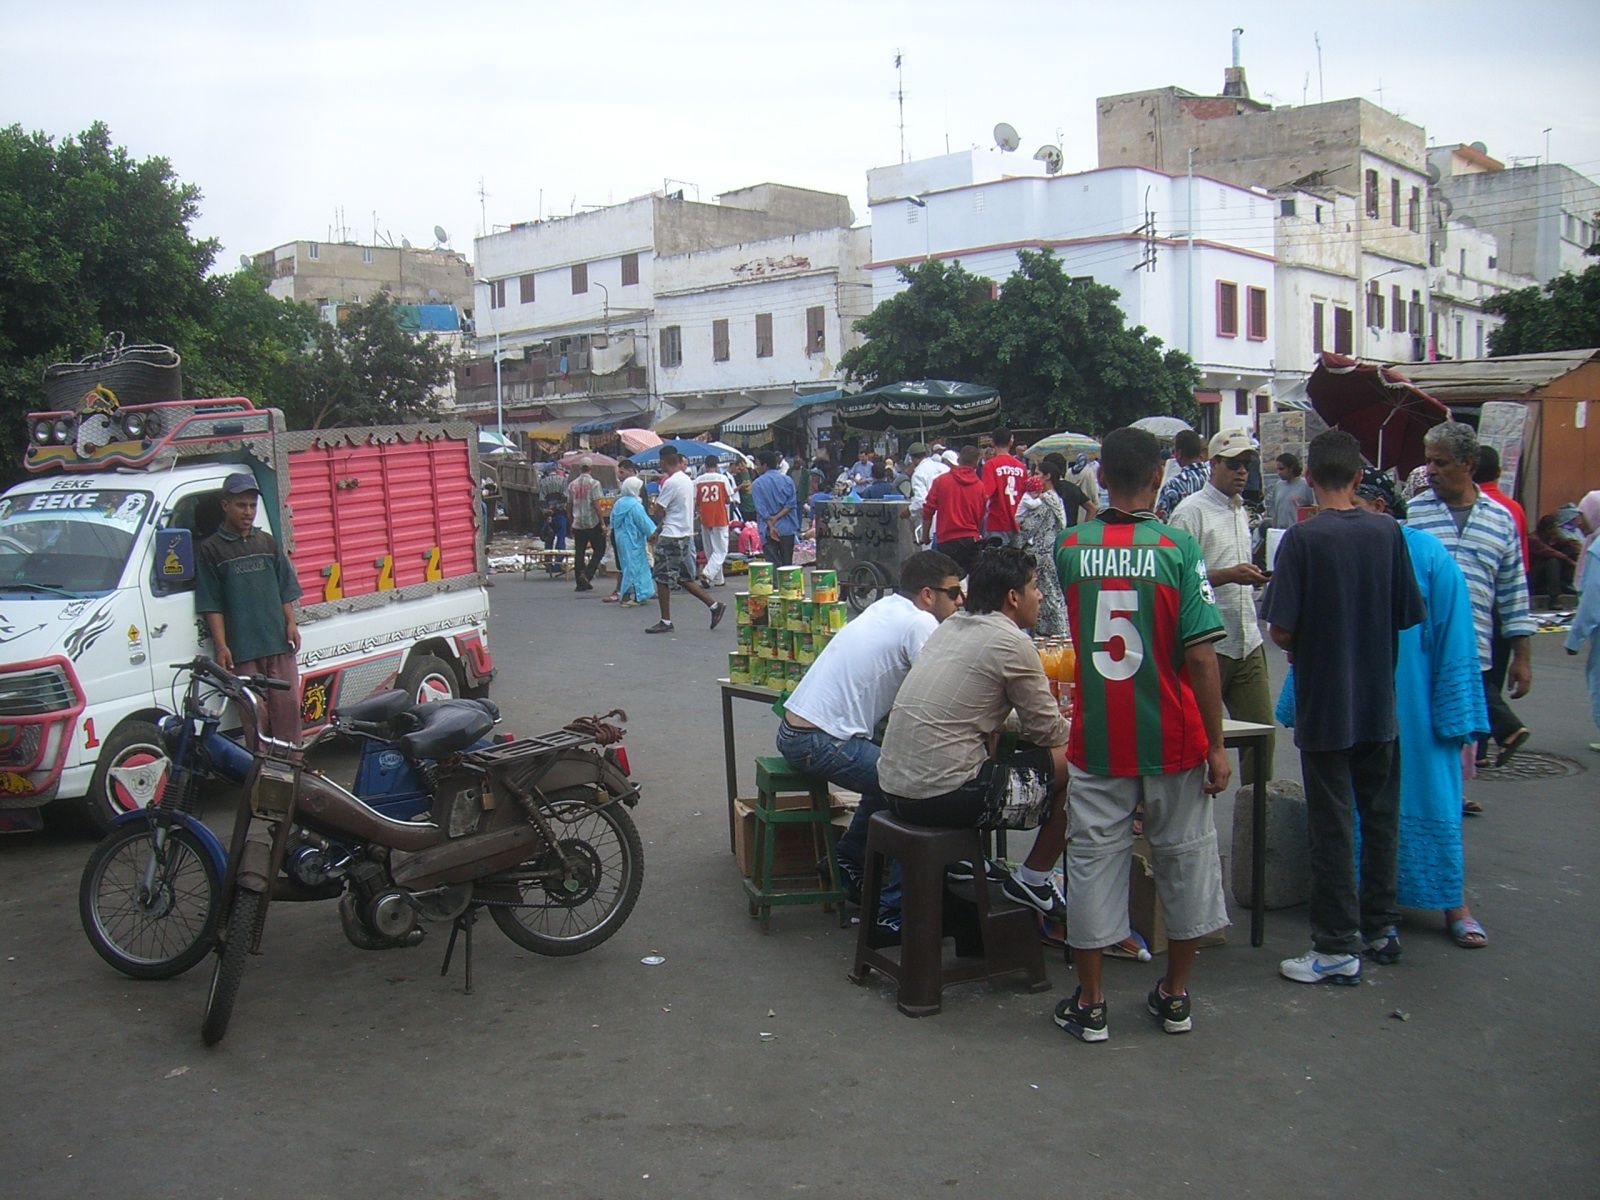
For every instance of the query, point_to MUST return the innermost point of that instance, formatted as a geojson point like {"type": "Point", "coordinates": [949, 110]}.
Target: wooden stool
{"type": "Point", "coordinates": [1004, 937]}
{"type": "Point", "coordinates": [775, 776]}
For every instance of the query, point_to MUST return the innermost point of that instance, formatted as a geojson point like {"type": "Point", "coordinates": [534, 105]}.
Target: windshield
{"type": "Point", "coordinates": [67, 542]}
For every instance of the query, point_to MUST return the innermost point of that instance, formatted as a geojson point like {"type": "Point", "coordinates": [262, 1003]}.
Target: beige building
{"type": "Point", "coordinates": [323, 273]}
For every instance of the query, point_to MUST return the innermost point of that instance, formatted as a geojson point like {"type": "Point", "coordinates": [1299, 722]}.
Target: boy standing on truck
{"type": "Point", "coordinates": [245, 591]}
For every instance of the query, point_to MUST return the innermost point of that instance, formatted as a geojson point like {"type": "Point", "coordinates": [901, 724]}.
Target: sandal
{"type": "Point", "coordinates": [1511, 745]}
{"type": "Point", "coordinates": [1468, 934]}
{"type": "Point", "coordinates": [1471, 808]}
{"type": "Point", "coordinates": [1138, 820]}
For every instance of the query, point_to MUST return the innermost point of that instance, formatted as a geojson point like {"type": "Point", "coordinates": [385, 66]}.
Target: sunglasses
{"type": "Point", "coordinates": [955, 593]}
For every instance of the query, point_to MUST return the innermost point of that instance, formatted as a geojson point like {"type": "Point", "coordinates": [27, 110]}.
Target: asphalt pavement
{"type": "Point", "coordinates": [745, 1065]}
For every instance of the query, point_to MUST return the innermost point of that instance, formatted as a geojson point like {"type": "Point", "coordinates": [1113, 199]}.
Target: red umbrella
{"type": "Point", "coordinates": [1381, 408]}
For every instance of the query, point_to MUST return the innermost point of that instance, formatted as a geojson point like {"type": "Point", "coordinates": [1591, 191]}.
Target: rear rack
{"type": "Point", "coordinates": [512, 753]}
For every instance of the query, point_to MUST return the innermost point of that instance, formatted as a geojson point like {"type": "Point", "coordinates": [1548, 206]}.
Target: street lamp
{"type": "Point", "coordinates": [499, 409]}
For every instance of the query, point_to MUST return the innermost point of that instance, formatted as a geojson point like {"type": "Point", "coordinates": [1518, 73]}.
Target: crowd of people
{"type": "Point", "coordinates": [1405, 627]}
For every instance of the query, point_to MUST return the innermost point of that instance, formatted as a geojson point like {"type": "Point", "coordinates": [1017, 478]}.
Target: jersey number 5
{"type": "Point", "coordinates": [1111, 621]}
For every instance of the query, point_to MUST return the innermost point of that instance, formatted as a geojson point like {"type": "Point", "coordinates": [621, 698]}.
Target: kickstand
{"type": "Point", "coordinates": [464, 922]}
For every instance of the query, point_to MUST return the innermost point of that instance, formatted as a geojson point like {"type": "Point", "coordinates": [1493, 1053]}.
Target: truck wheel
{"type": "Point", "coordinates": [131, 744]}
{"type": "Point", "coordinates": [427, 679]}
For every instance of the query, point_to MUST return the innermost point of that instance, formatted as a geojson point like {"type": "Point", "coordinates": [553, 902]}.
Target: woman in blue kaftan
{"type": "Point", "coordinates": [632, 527]}
{"type": "Point", "coordinates": [1439, 703]}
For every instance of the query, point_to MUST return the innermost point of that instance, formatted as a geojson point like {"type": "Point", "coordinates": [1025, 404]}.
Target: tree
{"type": "Point", "coordinates": [1563, 315]}
{"type": "Point", "coordinates": [1058, 350]}
{"type": "Point", "coordinates": [250, 344]}
{"type": "Point", "coordinates": [367, 369]}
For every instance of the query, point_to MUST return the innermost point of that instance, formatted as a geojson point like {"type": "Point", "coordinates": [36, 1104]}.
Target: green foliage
{"type": "Point", "coordinates": [92, 241]}
{"type": "Point", "coordinates": [1058, 350]}
{"type": "Point", "coordinates": [1563, 315]}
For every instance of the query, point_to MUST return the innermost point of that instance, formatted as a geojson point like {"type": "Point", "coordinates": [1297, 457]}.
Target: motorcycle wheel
{"type": "Point", "coordinates": [230, 965]}
{"type": "Point", "coordinates": [579, 913]}
{"type": "Point", "coordinates": [159, 936]}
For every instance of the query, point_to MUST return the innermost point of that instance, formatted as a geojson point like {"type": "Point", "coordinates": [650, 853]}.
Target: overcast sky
{"type": "Point", "coordinates": [284, 113]}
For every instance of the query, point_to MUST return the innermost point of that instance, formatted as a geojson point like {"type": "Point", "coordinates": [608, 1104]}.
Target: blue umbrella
{"type": "Point", "coordinates": [688, 447]}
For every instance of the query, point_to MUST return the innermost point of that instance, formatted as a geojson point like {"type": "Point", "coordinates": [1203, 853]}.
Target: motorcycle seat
{"type": "Point", "coordinates": [447, 726]}
{"type": "Point", "coordinates": [379, 707]}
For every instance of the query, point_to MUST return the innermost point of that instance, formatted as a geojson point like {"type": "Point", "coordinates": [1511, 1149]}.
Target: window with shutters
{"type": "Point", "coordinates": [366, 254]}
{"type": "Point", "coordinates": [630, 270]}
{"type": "Point", "coordinates": [719, 340]}
{"type": "Point", "coordinates": [763, 335]}
{"type": "Point", "coordinates": [1394, 203]}
{"type": "Point", "coordinates": [671, 346]}
{"type": "Point", "coordinates": [1318, 345]}
{"type": "Point", "coordinates": [497, 293]}
{"type": "Point", "coordinates": [1414, 211]}
{"type": "Point", "coordinates": [816, 331]}
{"type": "Point", "coordinates": [1286, 207]}
{"type": "Point", "coordinates": [1241, 402]}
{"type": "Point", "coordinates": [313, 250]}
{"type": "Point", "coordinates": [580, 278]}
{"type": "Point", "coordinates": [1344, 326]}
{"type": "Point", "coordinates": [1416, 313]}
{"type": "Point", "coordinates": [1227, 309]}
{"type": "Point", "coordinates": [525, 288]}
{"type": "Point", "coordinates": [1397, 309]}
{"type": "Point", "coordinates": [1256, 314]}
{"type": "Point", "coordinates": [1372, 193]}
{"type": "Point", "coordinates": [1374, 305]}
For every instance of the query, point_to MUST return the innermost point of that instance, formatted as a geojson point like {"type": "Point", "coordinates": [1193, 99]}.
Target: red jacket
{"type": "Point", "coordinates": [957, 499]}
{"type": "Point", "coordinates": [1492, 490]}
{"type": "Point", "coordinates": [1003, 477]}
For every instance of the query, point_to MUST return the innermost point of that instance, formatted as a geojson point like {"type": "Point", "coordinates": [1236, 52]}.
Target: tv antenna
{"type": "Point", "coordinates": [900, 95]}
{"type": "Point", "coordinates": [1005, 136]}
{"type": "Point", "coordinates": [1050, 156]}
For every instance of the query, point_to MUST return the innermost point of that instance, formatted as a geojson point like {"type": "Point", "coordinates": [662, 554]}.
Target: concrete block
{"type": "Point", "coordinates": [1288, 873]}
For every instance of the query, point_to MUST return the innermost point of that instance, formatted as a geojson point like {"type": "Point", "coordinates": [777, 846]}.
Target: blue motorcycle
{"type": "Point", "coordinates": [150, 896]}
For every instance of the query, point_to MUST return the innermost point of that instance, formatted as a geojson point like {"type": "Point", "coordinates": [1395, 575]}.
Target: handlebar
{"type": "Point", "coordinates": [201, 665]}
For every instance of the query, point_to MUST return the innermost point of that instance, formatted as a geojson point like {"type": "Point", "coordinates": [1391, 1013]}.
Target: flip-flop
{"type": "Point", "coordinates": [1468, 934]}
{"type": "Point", "coordinates": [1471, 808]}
{"type": "Point", "coordinates": [1511, 745]}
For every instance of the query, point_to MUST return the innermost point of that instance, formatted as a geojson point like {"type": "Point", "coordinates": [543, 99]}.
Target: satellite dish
{"type": "Point", "coordinates": [1050, 156]}
{"type": "Point", "coordinates": [1006, 137]}
{"type": "Point", "coordinates": [405, 243]}
{"type": "Point", "coordinates": [439, 235]}
{"type": "Point", "coordinates": [244, 261]}
{"type": "Point", "coordinates": [1433, 172]}
{"type": "Point", "coordinates": [1480, 147]}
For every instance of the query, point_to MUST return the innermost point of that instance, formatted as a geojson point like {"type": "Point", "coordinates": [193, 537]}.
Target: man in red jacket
{"type": "Point", "coordinates": [957, 500]}
{"type": "Point", "coordinates": [1003, 477]}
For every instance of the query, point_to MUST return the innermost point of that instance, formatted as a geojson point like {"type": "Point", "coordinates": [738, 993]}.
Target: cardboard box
{"type": "Point", "coordinates": [796, 848]}
{"type": "Point", "coordinates": [1144, 905]}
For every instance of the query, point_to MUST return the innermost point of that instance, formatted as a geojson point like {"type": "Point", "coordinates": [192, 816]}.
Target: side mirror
{"type": "Point", "coordinates": [174, 560]}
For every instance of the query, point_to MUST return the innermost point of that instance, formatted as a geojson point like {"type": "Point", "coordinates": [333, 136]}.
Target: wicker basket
{"type": "Point", "coordinates": [134, 374]}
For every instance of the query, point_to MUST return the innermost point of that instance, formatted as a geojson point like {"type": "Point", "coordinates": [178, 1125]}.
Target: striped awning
{"type": "Point", "coordinates": [554, 430]}
{"type": "Point", "coordinates": [760, 418]}
{"type": "Point", "coordinates": [695, 420]}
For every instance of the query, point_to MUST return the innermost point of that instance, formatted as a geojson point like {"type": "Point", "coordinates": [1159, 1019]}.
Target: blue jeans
{"type": "Point", "coordinates": [851, 763]}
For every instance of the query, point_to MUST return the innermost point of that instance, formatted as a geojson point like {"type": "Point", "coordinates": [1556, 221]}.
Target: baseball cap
{"type": "Point", "coordinates": [951, 457]}
{"type": "Point", "coordinates": [1231, 443]}
{"type": "Point", "coordinates": [239, 483]}
{"type": "Point", "coordinates": [917, 448]}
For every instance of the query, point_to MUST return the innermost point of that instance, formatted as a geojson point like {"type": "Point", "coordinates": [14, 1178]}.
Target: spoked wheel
{"type": "Point", "coordinates": [864, 583]}
{"type": "Point", "coordinates": [150, 914]}
{"type": "Point", "coordinates": [568, 913]}
{"type": "Point", "coordinates": [230, 965]}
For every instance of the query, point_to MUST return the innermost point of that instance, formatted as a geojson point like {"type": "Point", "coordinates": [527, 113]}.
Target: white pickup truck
{"type": "Point", "coordinates": [383, 526]}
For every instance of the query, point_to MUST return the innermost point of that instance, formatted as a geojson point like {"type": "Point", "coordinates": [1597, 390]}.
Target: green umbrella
{"type": "Point", "coordinates": [923, 404]}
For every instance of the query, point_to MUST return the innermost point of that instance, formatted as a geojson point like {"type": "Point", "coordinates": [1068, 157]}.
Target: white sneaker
{"type": "Point", "coordinates": [1315, 967]}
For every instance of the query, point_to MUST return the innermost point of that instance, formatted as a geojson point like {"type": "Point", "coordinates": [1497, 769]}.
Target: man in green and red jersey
{"type": "Point", "coordinates": [1146, 728]}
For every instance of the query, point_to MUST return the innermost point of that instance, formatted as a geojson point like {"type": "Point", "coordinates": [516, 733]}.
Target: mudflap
{"type": "Point", "coordinates": [213, 844]}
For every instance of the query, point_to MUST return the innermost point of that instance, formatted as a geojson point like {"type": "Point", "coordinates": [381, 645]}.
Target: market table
{"type": "Point", "coordinates": [1244, 736]}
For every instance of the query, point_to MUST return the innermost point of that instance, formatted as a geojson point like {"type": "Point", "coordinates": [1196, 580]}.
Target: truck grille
{"type": "Point", "coordinates": [31, 693]}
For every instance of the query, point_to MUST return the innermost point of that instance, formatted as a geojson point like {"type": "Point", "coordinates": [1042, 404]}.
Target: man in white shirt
{"type": "Point", "coordinates": [675, 543]}
{"type": "Point", "coordinates": [925, 468]}
{"type": "Point", "coordinates": [830, 719]}
{"type": "Point", "coordinates": [1215, 517]}
{"type": "Point", "coordinates": [714, 492]}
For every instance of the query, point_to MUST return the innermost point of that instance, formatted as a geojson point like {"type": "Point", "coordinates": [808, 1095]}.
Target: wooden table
{"type": "Point", "coordinates": [1246, 736]}
{"type": "Point", "coordinates": [1243, 736]}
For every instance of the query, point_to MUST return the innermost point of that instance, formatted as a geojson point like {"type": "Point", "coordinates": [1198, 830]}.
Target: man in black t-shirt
{"type": "Point", "coordinates": [1342, 590]}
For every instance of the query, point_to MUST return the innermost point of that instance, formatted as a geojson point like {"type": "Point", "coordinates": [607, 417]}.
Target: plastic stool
{"type": "Point", "coordinates": [774, 776]}
{"type": "Point", "coordinates": [1004, 937]}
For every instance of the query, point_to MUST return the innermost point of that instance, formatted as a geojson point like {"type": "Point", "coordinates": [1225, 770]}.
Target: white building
{"type": "Point", "coordinates": [744, 328]}
{"type": "Point", "coordinates": [1192, 258]}
{"type": "Point", "coordinates": [570, 301]}
{"type": "Point", "coordinates": [1465, 272]}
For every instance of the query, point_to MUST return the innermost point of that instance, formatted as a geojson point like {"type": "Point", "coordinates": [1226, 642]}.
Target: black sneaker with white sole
{"type": "Point", "coordinates": [1042, 897]}
{"type": "Point", "coordinates": [1086, 1022]}
{"type": "Point", "coordinates": [1384, 949]}
{"type": "Point", "coordinates": [961, 872]}
{"type": "Point", "coordinates": [1172, 1011]}
{"type": "Point", "coordinates": [849, 876]}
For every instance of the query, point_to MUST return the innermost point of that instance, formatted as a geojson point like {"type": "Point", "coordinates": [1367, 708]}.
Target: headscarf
{"type": "Point", "coordinates": [1376, 485]}
{"type": "Point", "coordinates": [632, 486]}
{"type": "Point", "coordinates": [1589, 507]}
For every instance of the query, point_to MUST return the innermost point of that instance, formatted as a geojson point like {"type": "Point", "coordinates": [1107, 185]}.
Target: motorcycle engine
{"type": "Point", "coordinates": [392, 914]}
{"type": "Point", "coordinates": [310, 862]}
